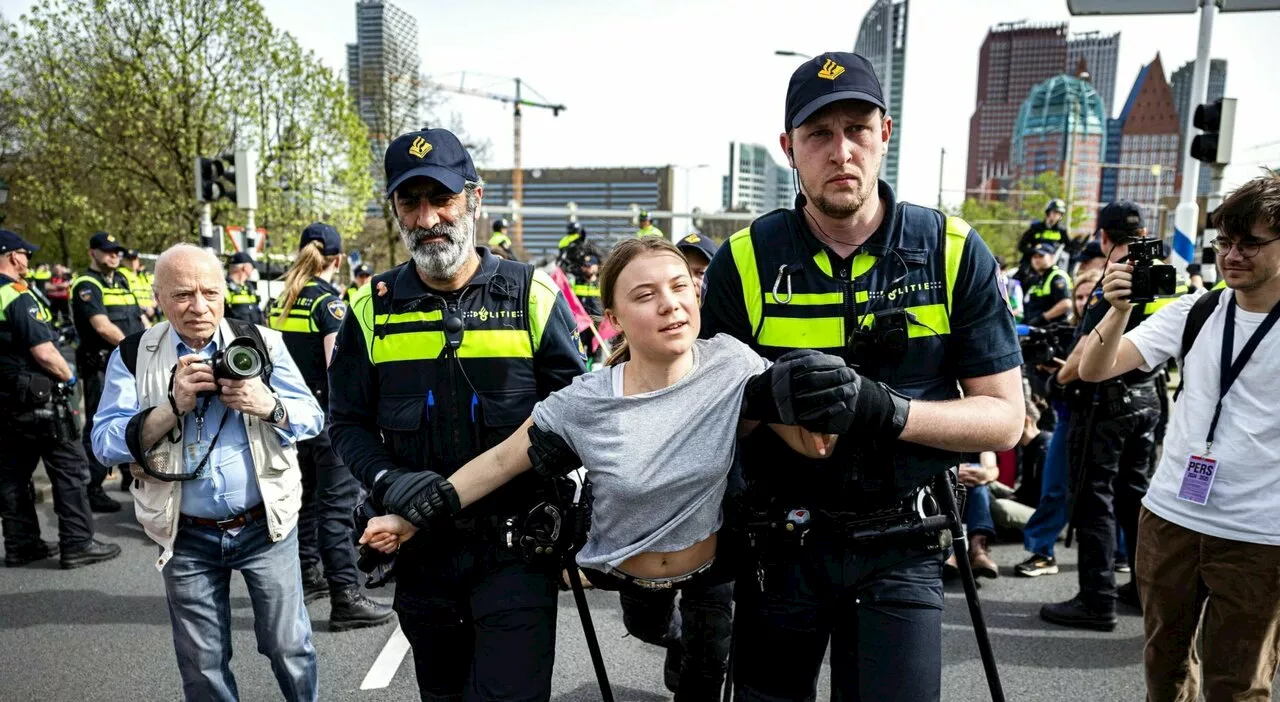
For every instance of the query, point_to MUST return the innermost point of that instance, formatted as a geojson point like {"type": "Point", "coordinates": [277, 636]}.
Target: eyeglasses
{"type": "Point", "coordinates": [1247, 249]}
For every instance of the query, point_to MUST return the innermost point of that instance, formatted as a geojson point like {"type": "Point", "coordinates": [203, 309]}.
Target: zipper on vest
{"type": "Point", "coordinates": [851, 327]}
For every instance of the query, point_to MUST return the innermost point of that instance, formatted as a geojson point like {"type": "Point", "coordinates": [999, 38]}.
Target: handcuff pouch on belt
{"type": "Point", "coordinates": [45, 406]}
{"type": "Point", "coordinates": [552, 531]}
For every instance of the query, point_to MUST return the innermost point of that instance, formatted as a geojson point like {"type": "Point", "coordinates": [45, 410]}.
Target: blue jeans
{"type": "Point", "coordinates": [1050, 516]}
{"type": "Point", "coordinates": [977, 511]}
{"type": "Point", "coordinates": [197, 582]}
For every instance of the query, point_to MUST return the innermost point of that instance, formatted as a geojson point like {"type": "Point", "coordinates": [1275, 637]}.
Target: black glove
{"type": "Point", "coordinates": [804, 387]}
{"type": "Point", "coordinates": [550, 455]}
{"type": "Point", "coordinates": [422, 497]}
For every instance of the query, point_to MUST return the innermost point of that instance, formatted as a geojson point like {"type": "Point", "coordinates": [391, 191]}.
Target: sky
{"type": "Point", "coordinates": [656, 82]}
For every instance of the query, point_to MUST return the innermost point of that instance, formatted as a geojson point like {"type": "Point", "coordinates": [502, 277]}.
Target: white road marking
{"type": "Point", "coordinates": [388, 662]}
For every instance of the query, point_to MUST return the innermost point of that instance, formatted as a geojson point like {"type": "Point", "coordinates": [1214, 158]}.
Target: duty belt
{"type": "Point", "coordinates": [916, 514]}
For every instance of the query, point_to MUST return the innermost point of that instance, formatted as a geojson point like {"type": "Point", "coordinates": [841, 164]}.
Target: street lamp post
{"type": "Point", "coordinates": [688, 175]}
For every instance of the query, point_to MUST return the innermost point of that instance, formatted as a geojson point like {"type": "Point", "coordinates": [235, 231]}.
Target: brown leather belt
{"type": "Point", "coordinates": [239, 520]}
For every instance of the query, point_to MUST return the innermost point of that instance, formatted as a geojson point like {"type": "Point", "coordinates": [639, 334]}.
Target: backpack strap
{"type": "Point", "coordinates": [248, 329]}
{"type": "Point", "coordinates": [129, 351]}
{"type": "Point", "coordinates": [1196, 317]}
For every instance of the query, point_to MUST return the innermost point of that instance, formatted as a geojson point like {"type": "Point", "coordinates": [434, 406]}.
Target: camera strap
{"type": "Point", "coordinates": [1228, 370]}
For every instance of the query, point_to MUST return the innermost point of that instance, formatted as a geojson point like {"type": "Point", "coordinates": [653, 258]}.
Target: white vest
{"type": "Point", "coordinates": [157, 502]}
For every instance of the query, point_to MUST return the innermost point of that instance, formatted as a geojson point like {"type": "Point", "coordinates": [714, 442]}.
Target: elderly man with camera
{"type": "Point", "coordinates": [1208, 559]}
{"type": "Point", "coordinates": [1111, 440]}
{"type": "Point", "coordinates": [206, 411]}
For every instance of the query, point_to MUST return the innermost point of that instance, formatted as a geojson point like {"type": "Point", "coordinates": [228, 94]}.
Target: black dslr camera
{"type": "Point", "coordinates": [1040, 345]}
{"type": "Point", "coordinates": [240, 360]}
{"type": "Point", "coordinates": [1150, 280]}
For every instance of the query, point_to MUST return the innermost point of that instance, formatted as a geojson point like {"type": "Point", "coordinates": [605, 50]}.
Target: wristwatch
{"type": "Point", "coordinates": [277, 412]}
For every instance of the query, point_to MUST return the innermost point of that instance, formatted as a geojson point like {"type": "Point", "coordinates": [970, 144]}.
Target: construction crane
{"type": "Point", "coordinates": [517, 175]}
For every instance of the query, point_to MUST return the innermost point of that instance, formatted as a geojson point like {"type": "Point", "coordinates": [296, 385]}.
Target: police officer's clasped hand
{"type": "Point", "coordinates": [1117, 285]}
{"type": "Point", "coordinates": [550, 455]}
{"type": "Point", "coordinates": [805, 388]}
{"type": "Point", "coordinates": [422, 497]}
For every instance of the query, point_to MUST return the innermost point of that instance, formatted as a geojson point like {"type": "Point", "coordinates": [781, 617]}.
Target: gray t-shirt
{"type": "Point", "coordinates": [659, 461]}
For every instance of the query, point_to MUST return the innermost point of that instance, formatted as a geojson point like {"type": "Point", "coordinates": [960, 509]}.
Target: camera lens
{"type": "Point", "coordinates": [244, 362]}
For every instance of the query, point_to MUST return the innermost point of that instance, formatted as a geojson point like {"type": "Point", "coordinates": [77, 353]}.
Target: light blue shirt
{"type": "Point", "coordinates": [231, 487]}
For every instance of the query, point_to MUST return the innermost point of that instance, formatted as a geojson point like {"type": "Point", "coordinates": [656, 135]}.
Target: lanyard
{"type": "Point", "coordinates": [1230, 371]}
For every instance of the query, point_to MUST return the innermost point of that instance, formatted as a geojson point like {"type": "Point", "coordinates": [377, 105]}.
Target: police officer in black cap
{"type": "Point", "coordinates": [1049, 230]}
{"type": "Point", "coordinates": [105, 311]}
{"type": "Point", "coordinates": [1049, 298]}
{"type": "Point", "coordinates": [439, 359]}
{"type": "Point", "coordinates": [698, 249]}
{"type": "Point", "coordinates": [35, 424]}
{"type": "Point", "coordinates": [360, 277]}
{"type": "Point", "coordinates": [1112, 442]}
{"type": "Point", "coordinates": [910, 299]}
{"type": "Point", "coordinates": [242, 301]}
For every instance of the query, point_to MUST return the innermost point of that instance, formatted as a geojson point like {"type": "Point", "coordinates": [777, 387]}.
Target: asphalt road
{"type": "Point", "coordinates": [102, 633]}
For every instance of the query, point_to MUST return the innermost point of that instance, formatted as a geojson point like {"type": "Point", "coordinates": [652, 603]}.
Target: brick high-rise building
{"type": "Point", "coordinates": [1014, 58]}
{"type": "Point", "coordinates": [1100, 53]}
{"type": "Point", "coordinates": [1149, 136]}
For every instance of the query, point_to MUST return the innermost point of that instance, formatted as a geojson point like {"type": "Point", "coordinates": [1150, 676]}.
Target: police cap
{"type": "Point", "coordinates": [827, 78]}
{"type": "Point", "coordinates": [431, 153]}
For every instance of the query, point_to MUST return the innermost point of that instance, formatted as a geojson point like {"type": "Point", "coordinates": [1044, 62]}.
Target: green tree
{"type": "Point", "coordinates": [113, 100]}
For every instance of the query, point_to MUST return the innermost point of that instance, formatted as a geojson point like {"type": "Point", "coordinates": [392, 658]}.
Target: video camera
{"type": "Point", "coordinates": [1149, 279]}
{"type": "Point", "coordinates": [1040, 345]}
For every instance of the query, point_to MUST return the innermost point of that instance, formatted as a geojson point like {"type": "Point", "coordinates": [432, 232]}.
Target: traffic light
{"type": "Point", "coordinates": [215, 178]}
{"type": "Point", "coordinates": [1217, 121]}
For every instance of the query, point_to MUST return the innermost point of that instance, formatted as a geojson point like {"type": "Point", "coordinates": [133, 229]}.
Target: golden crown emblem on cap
{"type": "Point", "coordinates": [830, 70]}
{"type": "Point", "coordinates": [692, 239]}
{"type": "Point", "coordinates": [110, 238]}
{"type": "Point", "coordinates": [420, 147]}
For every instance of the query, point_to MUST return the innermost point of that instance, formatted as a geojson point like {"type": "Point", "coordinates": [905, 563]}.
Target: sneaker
{"type": "Point", "coordinates": [1037, 565]}
{"type": "Point", "coordinates": [1123, 566]}
{"type": "Point", "coordinates": [100, 502]}
{"type": "Point", "coordinates": [314, 584]}
{"type": "Point", "coordinates": [95, 552]}
{"type": "Point", "coordinates": [1078, 614]}
{"type": "Point", "coordinates": [352, 610]}
{"type": "Point", "coordinates": [38, 551]}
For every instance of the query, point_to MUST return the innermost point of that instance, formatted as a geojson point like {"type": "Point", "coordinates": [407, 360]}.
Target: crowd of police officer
{"type": "Point", "coordinates": [441, 358]}
{"type": "Point", "coordinates": [1093, 480]}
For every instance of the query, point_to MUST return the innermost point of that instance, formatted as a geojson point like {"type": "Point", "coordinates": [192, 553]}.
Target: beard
{"type": "Point", "coordinates": [440, 260]}
{"type": "Point", "coordinates": [868, 188]}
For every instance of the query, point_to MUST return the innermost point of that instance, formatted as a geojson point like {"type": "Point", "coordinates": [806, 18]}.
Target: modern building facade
{"type": "Point", "coordinates": [384, 75]}
{"type": "Point", "coordinates": [1111, 176]}
{"type": "Point", "coordinates": [882, 39]}
{"type": "Point", "coordinates": [756, 183]}
{"type": "Point", "coordinates": [1181, 86]}
{"type": "Point", "coordinates": [1149, 136]}
{"type": "Point", "coordinates": [1061, 127]}
{"type": "Point", "coordinates": [1013, 59]}
{"type": "Point", "coordinates": [588, 188]}
{"type": "Point", "coordinates": [1100, 53]}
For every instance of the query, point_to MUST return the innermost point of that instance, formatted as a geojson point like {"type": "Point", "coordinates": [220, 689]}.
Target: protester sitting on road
{"type": "Point", "coordinates": [656, 429]}
{"type": "Point", "coordinates": [216, 483]}
{"type": "Point", "coordinates": [976, 476]}
{"type": "Point", "coordinates": [1208, 549]}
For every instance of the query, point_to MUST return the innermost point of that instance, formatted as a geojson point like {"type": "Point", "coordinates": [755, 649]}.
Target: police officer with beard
{"type": "Point", "coordinates": [438, 360]}
{"type": "Point", "coordinates": [910, 298]}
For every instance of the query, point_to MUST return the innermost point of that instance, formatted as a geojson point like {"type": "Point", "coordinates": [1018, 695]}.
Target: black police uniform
{"type": "Point", "coordinates": [93, 294]}
{"type": "Point", "coordinates": [329, 491]}
{"type": "Point", "coordinates": [243, 303]}
{"type": "Point", "coordinates": [1113, 442]}
{"type": "Point", "coordinates": [776, 287]}
{"type": "Point", "coordinates": [428, 380]}
{"type": "Point", "coordinates": [1038, 233]}
{"type": "Point", "coordinates": [1052, 287]}
{"type": "Point", "coordinates": [26, 438]}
